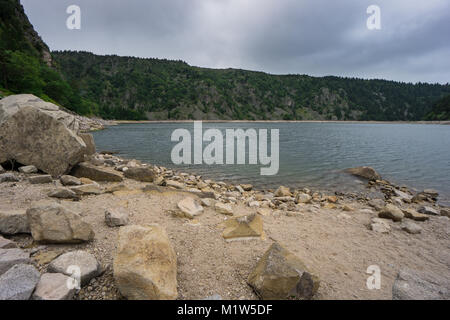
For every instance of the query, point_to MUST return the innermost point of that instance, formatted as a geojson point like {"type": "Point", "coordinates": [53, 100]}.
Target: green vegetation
{"type": "Point", "coordinates": [440, 110]}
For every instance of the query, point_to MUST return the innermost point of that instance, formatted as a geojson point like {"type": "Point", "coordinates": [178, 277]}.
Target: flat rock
{"type": "Point", "coordinates": [223, 208]}
{"type": "Point", "coordinates": [87, 189]}
{"type": "Point", "coordinates": [283, 192]}
{"type": "Point", "coordinates": [391, 212]}
{"type": "Point", "coordinates": [142, 174]}
{"type": "Point", "coordinates": [46, 178]}
{"type": "Point", "coordinates": [63, 193]}
{"type": "Point", "coordinates": [190, 208]}
{"type": "Point", "coordinates": [95, 173]}
{"type": "Point", "coordinates": [445, 212]}
{"type": "Point", "coordinates": [208, 202]}
{"type": "Point", "coordinates": [380, 225]}
{"type": "Point", "coordinates": [11, 257]}
{"type": "Point", "coordinates": [67, 180]}
{"type": "Point", "coordinates": [364, 172]}
{"type": "Point", "coordinates": [377, 204]}
{"type": "Point", "coordinates": [145, 264]}
{"type": "Point", "coordinates": [280, 274]}
{"type": "Point", "coordinates": [116, 217]}
{"type": "Point", "coordinates": [7, 244]}
{"type": "Point", "coordinates": [174, 184]}
{"type": "Point", "coordinates": [411, 227]}
{"type": "Point", "coordinates": [89, 266]}
{"type": "Point", "coordinates": [9, 177]}
{"type": "Point", "coordinates": [18, 283]}
{"type": "Point", "coordinates": [54, 286]}
{"type": "Point", "coordinates": [428, 210]}
{"type": "Point", "coordinates": [14, 222]}
{"type": "Point", "coordinates": [28, 169]}
{"type": "Point", "coordinates": [52, 223]}
{"type": "Point", "coordinates": [414, 215]}
{"type": "Point", "coordinates": [418, 285]}
{"type": "Point", "coordinates": [244, 227]}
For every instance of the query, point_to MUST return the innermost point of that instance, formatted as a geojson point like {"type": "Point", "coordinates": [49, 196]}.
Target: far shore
{"type": "Point", "coordinates": [283, 121]}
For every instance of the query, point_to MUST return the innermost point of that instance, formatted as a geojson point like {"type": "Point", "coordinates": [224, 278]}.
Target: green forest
{"type": "Point", "coordinates": [132, 88]}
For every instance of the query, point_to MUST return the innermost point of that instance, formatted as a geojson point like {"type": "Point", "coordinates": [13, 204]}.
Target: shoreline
{"type": "Point", "coordinates": [282, 121]}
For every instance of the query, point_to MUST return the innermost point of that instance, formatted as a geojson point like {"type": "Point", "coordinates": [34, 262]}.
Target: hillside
{"type": "Point", "coordinates": [440, 110]}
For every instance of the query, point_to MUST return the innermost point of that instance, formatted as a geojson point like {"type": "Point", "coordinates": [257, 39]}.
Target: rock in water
{"type": "Point", "coordinates": [145, 264]}
{"type": "Point", "coordinates": [190, 208]}
{"type": "Point", "coordinates": [34, 132]}
{"type": "Point", "coordinates": [11, 257]}
{"type": "Point", "coordinates": [86, 262]}
{"type": "Point", "coordinates": [364, 172]}
{"type": "Point", "coordinates": [280, 274]}
{"type": "Point", "coordinates": [414, 285]}
{"type": "Point", "coordinates": [53, 286]}
{"type": "Point", "coordinates": [87, 170]}
{"type": "Point", "coordinates": [116, 217]}
{"type": "Point", "coordinates": [52, 223]}
{"type": "Point", "coordinates": [18, 283]}
{"type": "Point", "coordinates": [391, 212]}
{"type": "Point", "coordinates": [140, 174]}
{"type": "Point", "coordinates": [14, 222]}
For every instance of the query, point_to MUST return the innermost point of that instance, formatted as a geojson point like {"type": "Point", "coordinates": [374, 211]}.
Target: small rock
{"type": "Point", "coordinates": [86, 262]}
{"type": "Point", "coordinates": [380, 225]}
{"type": "Point", "coordinates": [116, 217]}
{"type": "Point", "coordinates": [174, 184]}
{"type": "Point", "coordinates": [332, 199]}
{"type": "Point", "coordinates": [54, 286]}
{"type": "Point", "coordinates": [414, 215]}
{"type": "Point", "coordinates": [364, 172]}
{"type": "Point", "coordinates": [254, 204]}
{"type": "Point", "coordinates": [18, 283]}
{"type": "Point", "coordinates": [208, 202]}
{"type": "Point", "coordinates": [428, 210]}
{"type": "Point", "coordinates": [8, 177]}
{"type": "Point", "coordinates": [67, 180]}
{"type": "Point", "coordinates": [11, 257]}
{"type": "Point", "coordinates": [190, 208]}
{"type": "Point", "coordinates": [378, 204]}
{"type": "Point", "coordinates": [391, 212]}
{"type": "Point", "coordinates": [63, 193]}
{"type": "Point", "coordinates": [46, 178]}
{"type": "Point", "coordinates": [14, 222]}
{"type": "Point", "coordinates": [303, 198]}
{"type": "Point", "coordinates": [28, 169]}
{"type": "Point", "coordinates": [140, 174]}
{"type": "Point", "coordinates": [411, 227]}
{"type": "Point", "coordinates": [87, 189]}
{"type": "Point", "coordinates": [224, 208]}
{"type": "Point", "coordinates": [246, 187]}
{"type": "Point", "coordinates": [283, 192]}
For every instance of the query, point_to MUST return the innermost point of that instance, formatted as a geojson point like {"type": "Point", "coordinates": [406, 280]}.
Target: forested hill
{"type": "Point", "coordinates": [440, 110]}
{"type": "Point", "coordinates": [162, 89]}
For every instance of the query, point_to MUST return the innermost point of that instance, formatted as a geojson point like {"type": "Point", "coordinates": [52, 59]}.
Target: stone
{"type": "Point", "coordinates": [2, 170]}
{"type": "Point", "coordinates": [174, 184]}
{"type": "Point", "coordinates": [14, 222]}
{"type": "Point", "coordinates": [8, 177]}
{"type": "Point", "coordinates": [140, 174]}
{"type": "Point", "coordinates": [190, 208]}
{"type": "Point", "coordinates": [116, 217]}
{"type": "Point", "coordinates": [87, 189]}
{"type": "Point", "coordinates": [280, 274]}
{"type": "Point", "coordinates": [115, 188]}
{"type": "Point", "coordinates": [208, 202]}
{"type": "Point", "coordinates": [18, 283]}
{"type": "Point", "coordinates": [264, 211]}
{"type": "Point", "coordinates": [67, 180]}
{"type": "Point", "coordinates": [11, 257]}
{"type": "Point", "coordinates": [54, 286]}
{"type": "Point", "coordinates": [391, 212]}
{"type": "Point", "coordinates": [403, 195]}
{"type": "Point", "coordinates": [89, 266]}
{"type": "Point", "coordinates": [145, 264]}
{"type": "Point", "coordinates": [364, 172]}
{"type": "Point", "coordinates": [419, 285]}
{"type": "Point", "coordinates": [89, 142]}
{"type": "Point", "coordinates": [254, 204]}
{"type": "Point", "coordinates": [380, 225]}
{"type": "Point", "coordinates": [411, 227]}
{"type": "Point", "coordinates": [52, 223]}
{"type": "Point", "coordinates": [28, 169]}
{"type": "Point", "coordinates": [42, 179]}
{"type": "Point", "coordinates": [303, 198]}
{"type": "Point", "coordinates": [35, 132]}
{"type": "Point", "coordinates": [223, 208]}
{"type": "Point", "coordinates": [7, 244]}
{"type": "Point", "coordinates": [347, 208]}
{"type": "Point", "coordinates": [283, 192]}
{"type": "Point", "coordinates": [428, 210]}
{"type": "Point", "coordinates": [445, 212]}
{"type": "Point", "coordinates": [87, 170]}
{"type": "Point", "coordinates": [377, 204]}
{"type": "Point", "coordinates": [332, 199]}
{"type": "Point", "coordinates": [246, 187]}
{"type": "Point", "coordinates": [63, 193]}
{"type": "Point", "coordinates": [414, 215]}
{"type": "Point", "coordinates": [243, 227]}
{"type": "Point", "coordinates": [431, 193]}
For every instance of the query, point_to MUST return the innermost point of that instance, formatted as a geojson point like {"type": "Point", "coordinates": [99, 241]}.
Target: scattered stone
{"type": "Point", "coordinates": [414, 215]}
{"type": "Point", "coordinates": [67, 180]}
{"type": "Point", "coordinates": [364, 172]}
{"type": "Point", "coordinates": [208, 202]}
{"type": "Point", "coordinates": [145, 264]}
{"type": "Point", "coordinates": [86, 262]}
{"type": "Point", "coordinates": [11, 257]}
{"type": "Point", "coordinates": [14, 222]}
{"type": "Point", "coordinates": [28, 169]}
{"type": "Point", "coordinates": [391, 212]}
{"type": "Point", "coordinates": [52, 223]}
{"type": "Point", "coordinates": [87, 189]}
{"type": "Point", "coordinates": [140, 174]}
{"type": "Point", "coordinates": [415, 285]}
{"type": "Point", "coordinates": [63, 193]}
{"type": "Point", "coordinates": [116, 217]}
{"type": "Point", "coordinates": [244, 227]}
{"type": "Point", "coordinates": [54, 286]}
{"type": "Point", "coordinates": [87, 170]}
{"type": "Point", "coordinates": [428, 210]}
{"type": "Point", "coordinates": [18, 283]}
{"type": "Point", "coordinates": [50, 142]}
{"type": "Point", "coordinates": [174, 184]}
{"type": "Point", "coordinates": [283, 192]}
{"type": "Point", "coordinates": [377, 204]}
{"type": "Point", "coordinates": [7, 244]}
{"type": "Point", "coordinates": [246, 187]}
{"type": "Point", "coordinates": [303, 198]}
{"type": "Point", "coordinates": [190, 208]}
{"type": "Point", "coordinates": [380, 225]}
{"type": "Point", "coordinates": [411, 227]}
{"type": "Point", "coordinates": [279, 274]}
{"type": "Point", "coordinates": [46, 178]}
{"type": "Point", "coordinates": [224, 208]}
{"type": "Point", "coordinates": [8, 177]}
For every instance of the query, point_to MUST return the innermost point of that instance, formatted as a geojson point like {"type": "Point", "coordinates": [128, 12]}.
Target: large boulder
{"type": "Point", "coordinates": [35, 132]}
{"type": "Point", "coordinates": [52, 223]}
{"type": "Point", "coordinates": [145, 264]}
{"type": "Point", "coordinates": [364, 172]}
{"type": "Point", "coordinates": [419, 285]}
{"type": "Point", "coordinates": [280, 274]}
{"type": "Point", "coordinates": [89, 141]}
{"type": "Point", "coordinates": [95, 173]}
{"type": "Point", "coordinates": [18, 283]}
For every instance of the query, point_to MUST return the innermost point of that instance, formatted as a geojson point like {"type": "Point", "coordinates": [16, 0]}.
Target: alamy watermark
{"type": "Point", "coordinates": [222, 151]}
{"type": "Point", "coordinates": [374, 20]}
{"type": "Point", "coordinates": [74, 20]}
{"type": "Point", "coordinates": [374, 281]}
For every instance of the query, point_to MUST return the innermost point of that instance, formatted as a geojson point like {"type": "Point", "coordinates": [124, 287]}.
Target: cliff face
{"type": "Point", "coordinates": [17, 33]}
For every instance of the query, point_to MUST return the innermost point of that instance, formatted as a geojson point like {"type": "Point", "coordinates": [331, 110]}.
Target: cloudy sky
{"type": "Point", "coordinates": [315, 37]}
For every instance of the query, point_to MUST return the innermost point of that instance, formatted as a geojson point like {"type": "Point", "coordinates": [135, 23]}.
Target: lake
{"type": "Point", "coordinates": [312, 154]}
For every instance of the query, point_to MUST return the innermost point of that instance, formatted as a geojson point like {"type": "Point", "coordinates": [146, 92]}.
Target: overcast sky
{"type": "Point", "coordinates": [315, 37]}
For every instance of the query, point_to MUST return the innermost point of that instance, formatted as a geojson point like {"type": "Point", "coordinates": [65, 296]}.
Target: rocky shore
{"type": "Point", "coordinates": [123, 229]}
